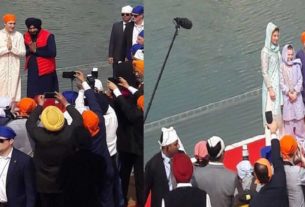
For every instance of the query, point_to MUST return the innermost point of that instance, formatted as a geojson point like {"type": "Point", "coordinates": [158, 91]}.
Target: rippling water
{"type": "Point", "coordinates": [82, 28]}
{"type": "Point", "coordinates": [217, 59]}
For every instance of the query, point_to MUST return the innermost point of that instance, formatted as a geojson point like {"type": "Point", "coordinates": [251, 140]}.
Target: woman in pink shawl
{"type": "Point", "coordinates": [291, 85]}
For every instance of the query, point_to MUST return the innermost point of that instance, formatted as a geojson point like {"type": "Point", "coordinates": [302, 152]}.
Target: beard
{"type": "Point", "coordinates": [34, 35]}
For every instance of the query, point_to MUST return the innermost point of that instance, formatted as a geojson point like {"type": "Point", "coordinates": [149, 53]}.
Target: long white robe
{"type": "Point", "coordinates": [10, 82]}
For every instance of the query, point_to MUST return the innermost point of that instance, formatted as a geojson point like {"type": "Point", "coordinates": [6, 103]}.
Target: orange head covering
{"type": "Point", "coordinates": [303, 37]}
{"type": "Point", "coordinates": [264, 161]}
{"type": "Point", "coordinates": [289, 146]}
{"type": "Point", "coordinates": [138, 66]}
{"type": "Point", "coordinates": [9, 17]}
{"type": "Point", "coordinates": [26, 106]}
{"type": "Point", "coordinates": [140, 102]}
{"type": "Point", "coordinates": [91, 122]}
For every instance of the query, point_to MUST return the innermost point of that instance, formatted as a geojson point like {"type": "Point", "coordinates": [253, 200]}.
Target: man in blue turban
{"type": "Point", "coordinates": [17, 177]}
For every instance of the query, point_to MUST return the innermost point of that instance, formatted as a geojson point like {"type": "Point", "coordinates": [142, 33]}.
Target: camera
{"type": "Point", "coordinates": [91, 81]}
{"type": "Point", "coordinates": [94, 73]}
{"type": "Point", "coordinates": [69, 74]}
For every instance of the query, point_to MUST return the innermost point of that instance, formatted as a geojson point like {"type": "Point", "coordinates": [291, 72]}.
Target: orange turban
{"type": "Point", "coordinates": [9, 17]}
{"type": "Point", "coordinates": [264, 161]}
{"type": "Point", "coordinates": [138, 66]}
{"type": "Point", "coordinates": [26, 106]}
{"type": "Point", "coordinates": [140, 102]}
{"type": "Point", "coordinates": [91, 122]}
{"type": "Point", "coordinates": [303, 37]}
{"type": "Point", "coordinates": [289, 146]}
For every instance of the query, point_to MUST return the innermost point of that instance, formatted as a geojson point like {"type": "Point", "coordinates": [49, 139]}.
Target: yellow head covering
{"type": "Point", "coordinates": [52, 118]}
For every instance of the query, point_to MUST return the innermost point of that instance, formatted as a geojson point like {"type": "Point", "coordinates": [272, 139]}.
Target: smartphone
{"type": "Point", "coordinates": [268, 116]}
{"type": "Point", "coordinates": [69, 74]}
{"type": "Point", "coordinates": [113, 80]}
{"type": "Point", "coordinates": [49, 94]}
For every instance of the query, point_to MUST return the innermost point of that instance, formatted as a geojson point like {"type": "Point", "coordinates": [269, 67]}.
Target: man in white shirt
{"type": "Point", "coordinates": [133, 29]}
{"type": "Point", "coordinates": [17, 179]}
{"type": "Point", "coordinates": [11, 50]}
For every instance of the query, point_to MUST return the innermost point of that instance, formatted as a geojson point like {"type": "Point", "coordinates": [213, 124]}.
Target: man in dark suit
{"type": "Point", "coordinates": [158, 177]}
{"type": "Point", "coordinates": [53, 143]}
{"type": "Point", "coordinates": [130, 141]}
{"type": "Point", "coordinates": [116, 38]}
{"type": "Point", "coordinates": [17, 186]}
{"type": "Point", "coordinates": [133, 29]}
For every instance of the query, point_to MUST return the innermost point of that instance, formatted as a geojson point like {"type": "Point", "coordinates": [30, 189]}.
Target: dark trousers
{"type": "Point", "coordinates": [117, 184]}
{"type": "Point", "coordinates": [3, 204]}
{"type": "Point", "coordinates": [115, 69]}
{"type": "Point", "coordinates": [127, 161]}
{"type": "Point", "coordinates": [51, 200]}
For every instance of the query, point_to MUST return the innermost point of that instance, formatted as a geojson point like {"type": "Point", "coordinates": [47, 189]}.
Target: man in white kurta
{"type": "Point", "coordinates": [11, 50]}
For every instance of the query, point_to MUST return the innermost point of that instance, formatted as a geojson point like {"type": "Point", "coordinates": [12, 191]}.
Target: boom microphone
{"type": "Point", "coordinates": [183, 22]}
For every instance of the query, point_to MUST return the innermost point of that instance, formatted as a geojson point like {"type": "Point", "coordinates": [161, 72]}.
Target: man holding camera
{"type": "Point", "coordinates": [40, 59]}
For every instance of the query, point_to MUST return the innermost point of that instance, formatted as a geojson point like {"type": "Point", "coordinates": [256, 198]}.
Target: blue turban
{"type": "Point", "coordinates": [133, 50]}
{"type": "Point", "coordinates": [138, 10]}
{"type": "Point", "coordinates": [70, 96]}
{"type": "Point", "coordinates": [7, 132]}
{"type": "Point", "coordinates": [266, 153]}
{"type": "Point", "coordinates": [141, 34]}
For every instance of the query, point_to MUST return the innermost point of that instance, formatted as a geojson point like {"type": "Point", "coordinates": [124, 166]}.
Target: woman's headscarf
{"type": "Point", "coordinates": [285, 56]}
{"type": "Point", "coordinates": [268, 44]}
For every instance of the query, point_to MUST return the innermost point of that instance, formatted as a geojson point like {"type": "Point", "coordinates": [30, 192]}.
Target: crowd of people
{"type": "Point", "coordinates": [173, 179]}
{"type": "Point", "coordinates": [71, 148]}
{"type": "Point", "coordinates": [79, 148]}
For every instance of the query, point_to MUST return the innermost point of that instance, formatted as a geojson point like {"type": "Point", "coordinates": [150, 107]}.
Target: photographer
{"type": "Point", "coordinates": [130, 140]}
{"type": "Point", "coordinates": [94, 122]}
{"type": "Point", "coordinates": [21, 114]}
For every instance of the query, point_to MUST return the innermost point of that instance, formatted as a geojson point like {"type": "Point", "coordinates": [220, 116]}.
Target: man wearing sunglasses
{"type": "Point", "coordinates": [116, 38]}
{"type": "Point", "coordinates": [133, 29]}
{"type": "Point", "coordinates": [17, 179]}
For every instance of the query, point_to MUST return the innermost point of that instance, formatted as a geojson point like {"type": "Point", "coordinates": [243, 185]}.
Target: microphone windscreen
{"type": "Point", "coordinates": [184, 22]}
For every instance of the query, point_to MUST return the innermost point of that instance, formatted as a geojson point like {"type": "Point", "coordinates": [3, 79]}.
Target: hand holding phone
{"type": "Point", "coordinates": [268, 116]}
{"type": "Point", "coordinates": [49, 95]}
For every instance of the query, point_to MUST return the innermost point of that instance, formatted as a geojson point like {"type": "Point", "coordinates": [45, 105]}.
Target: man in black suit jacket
{"type": "Point", "coordinates": [133, 29]}
{"type": "Point", "coordinates": [17, 186]}
{"type": "Point", "coordinates": [116, 38]}
{"type": "Point", "coordinates": [158, 178]}
{"type": "Point", "coordinates": [130, 141]}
